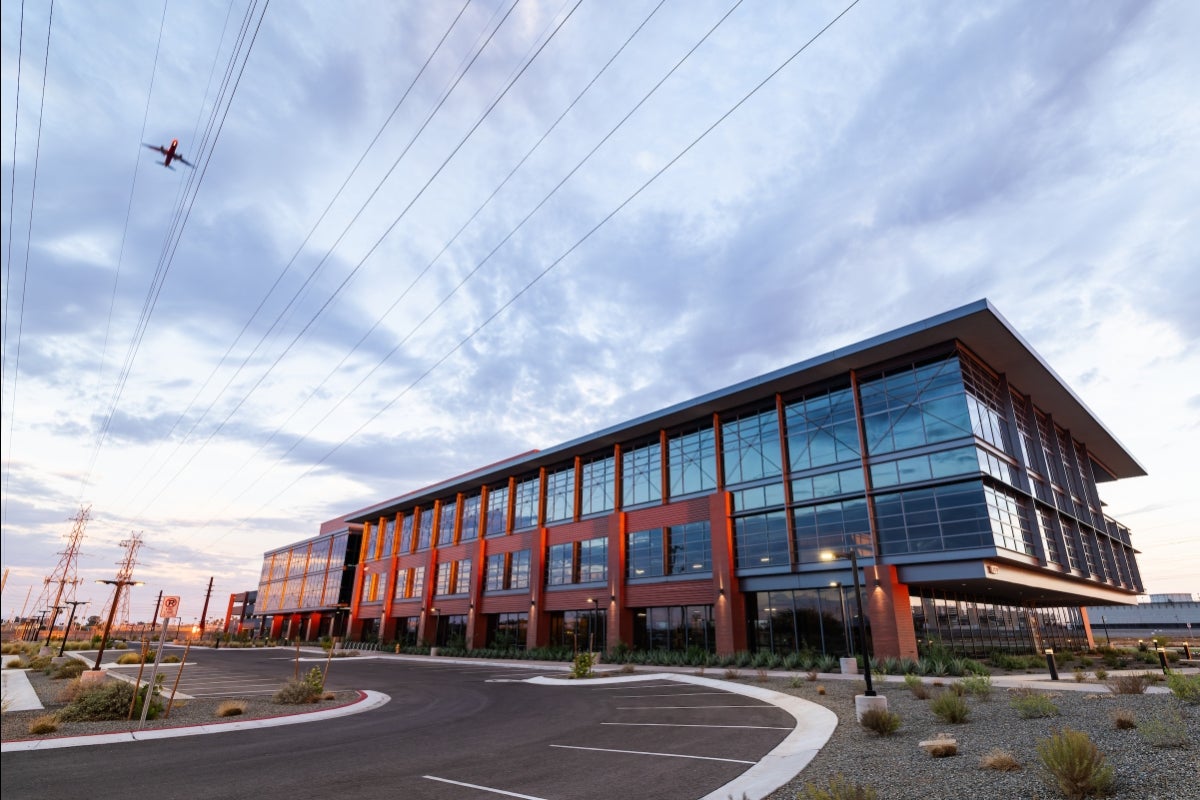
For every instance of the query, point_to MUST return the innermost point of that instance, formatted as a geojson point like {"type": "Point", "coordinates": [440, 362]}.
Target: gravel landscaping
{"type": "Point", "coordinates": [900, 770]}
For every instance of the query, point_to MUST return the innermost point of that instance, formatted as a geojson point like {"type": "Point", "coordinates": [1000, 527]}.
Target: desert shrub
{"type": "Point", "coordinates": [13, 663]}
{"type": "Point", "coordinates": [71, 669]}
{"type": "Point", "coordinates": [39, 662]}
{"type": "Point", "coordinates": [957, 688]}
{"type": "Point", "coordinates": [1080, 675]}
{"type": "Point", "coordinates": [732, 673]}
{"type": "Point", "coordinates": [1075, 765]}
{"type": "Point", "coordinates": [761, 675]}
{"type": "Point", "coordinates": [231, 708]}
{"type": "Point", "coordinates": [1167, 730]}
{"type": "Point", "coordinates": [172, 659]}
{"type": "Point", "coordinates": [1123, 719]}
{"type": "Point", "coordinates": [1185, 687]}
{"type": "Point", "coordinates": [1032, 705]}
{"type": "Point", "coordinates": [916, 686]}
{"type": "Point", "coordinates": [839, 788]}
{"type": "Point", "coordinates": [130, 658]}
{"type": "Point", "coordinates": [1101, 674]}
{"type": "Point", "coordinates": [46, 723]}
{"type": "Point", "coordinates": [108, 701]}
{"type": "Point", "coordinates": [880, 720]}
{"type": "Point", "coordinates": [943, 749]}
{"type": "Point", "coordinates": [583, 664]}
{"type": "Point", "coordinates": [811, 675]}
{"type": "Point", "coordinates": [303, 690]}
{"type": "Point", "coordinates": [1000, 761]}
{"type": "Point", "coordinates": [1134, 683]}
{"type": "Point", "coordinates": [949, 707]}
{"type": "Point", "coordinates": [979, 686]}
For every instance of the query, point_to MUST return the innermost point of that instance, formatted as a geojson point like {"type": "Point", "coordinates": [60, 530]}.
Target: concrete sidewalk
{"type": "Point", "coordinates": [17, 692]}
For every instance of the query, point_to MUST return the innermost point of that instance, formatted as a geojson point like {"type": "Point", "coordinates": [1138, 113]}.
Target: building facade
{"type": "Point", "coordinates": [305, 589]}
{"type": "Point", "coordinates": [947, 455]}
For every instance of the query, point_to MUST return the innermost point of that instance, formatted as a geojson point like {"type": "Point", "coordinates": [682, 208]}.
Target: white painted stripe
{"type": "Point", "coordinates": [626, 688]}
{"type": "Point", "coordinates": [671, 694]}
{"type": "Point", "coordinates": [681, 725]}
{"type": "Point", "coordinates": [482, 788]}
{"type": "Point", "coordinates": [646, 753]}
{"type": "Point", "coordinates": [673, 708]}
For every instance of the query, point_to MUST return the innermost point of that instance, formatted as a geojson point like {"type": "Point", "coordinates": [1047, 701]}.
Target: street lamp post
{"type": "Point", "coordinates": [592, 625]}
{"type": "Point", "coordinates": [862, 627]}
{"type": "Point", "coordinates": [71, 618]}
{"type": "Point", "coordinates": [112, 612]}
{"type": "Point", "coordinates": [53, 619]}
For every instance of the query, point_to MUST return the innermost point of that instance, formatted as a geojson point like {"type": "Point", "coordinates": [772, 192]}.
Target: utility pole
{"type": "Point", "coordinates": [124, 577]}
{"type": "Point", "coordinates": [204, 613]}
{"type": "Point", "coordinates": [73, 604]}
{"type": "Point", "coordinates": [64, 574]}
{"type": "Point", "coordinates": [154, 616]}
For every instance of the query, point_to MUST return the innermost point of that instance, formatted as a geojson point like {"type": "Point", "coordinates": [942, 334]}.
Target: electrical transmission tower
{"type": "Point", "coordinates": [60, 584]}
{"type": "Point", "coordinates": [124, 576]}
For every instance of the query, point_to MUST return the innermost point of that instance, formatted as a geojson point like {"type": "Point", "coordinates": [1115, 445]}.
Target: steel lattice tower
{"type": "Point", "coordinates": [124, 574]}
{"type": "Point", "coordinates": [60, 584]}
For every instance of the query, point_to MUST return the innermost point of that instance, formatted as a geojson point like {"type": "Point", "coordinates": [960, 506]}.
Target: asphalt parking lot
{"type": "Point", "coordinates": [465, 729]}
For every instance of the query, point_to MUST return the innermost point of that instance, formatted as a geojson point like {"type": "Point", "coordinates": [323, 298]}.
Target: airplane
{"type": "Point", "coordinates": [170, 153]}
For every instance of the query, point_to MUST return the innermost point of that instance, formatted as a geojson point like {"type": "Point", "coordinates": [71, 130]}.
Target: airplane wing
{"type": "Point", "coordinates": [184, 160]}
{"type": "Point", "coordinates": [159, 148]}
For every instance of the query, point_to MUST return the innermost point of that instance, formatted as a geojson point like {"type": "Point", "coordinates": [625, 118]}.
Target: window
{"type": "Point", "coordinates": [418, 582]}
{"type": "Point", "coordinates": [752, 447]}
{"type": "Point", "coordinates": [519, 570]}
{"type": "Point", "coordinates": [986, 405]}
{"type": "Point", "coordinates": [497, 511]}
{"type": "Point", "coordinates": [560, 564]}
{"type": "Point", "coordinates": [425, 529]}
{"type": "Point", "coordinates": [674, 628]}
{"type": "Point", "coordinates": [593, 560]}
{"type": "Point", "coordinates": [596, 485]}
{"type": "Point", "coordinates": [470, 519]}
{"type": "Point", "coordinates": [406, 532]}
{"type": "Point", "coordinates": [507, 631]}
{"type": "Point", "coordinates": [939, 518]}
{"type": "Point", "coordinates": [560, 495]}
{"type": "Point", "coordinates": [445, 571]}
{"type": "Point", "coordinates": [690, 548]}
{"type": "Point", "coordinates": [692, 462]}
{"type": "Point", "coordinates": [641, 475]}
{"type": "Point", "coordinates": [493, 580]}
{"type": "Point", "coordinates": [915, 406]}
{"type": "Point", "coordinates": [822, 430]}
{"type": "Point", "coordinates": [836, 526]}
{"type": "Point", "coordinates": [403, 588]}
{"type": "Point", "coordinates": [446, 523]}
{"type": "Point", "coordinates": [644, 553]}
{"type": "Point", "coordinates": [462, 576]}
{"type": "Point", "coordinates": [389, 533]}
{"type": "Point", "coordinates": [761, 540]}
{"type": "Point", "coordinates": [525, 513]}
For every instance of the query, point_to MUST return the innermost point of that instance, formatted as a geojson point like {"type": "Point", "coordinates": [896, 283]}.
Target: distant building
{"type": "Point", "coordinates": [1181, 597]}
{"type": "Point", "coordinates": [239, 615]}
{"type": "Point", "coordinates": [1177, 615]}
{"type": "Point", "coordinates": [947, 455]}
{"type": "Point", "coordinates": [305, 589]}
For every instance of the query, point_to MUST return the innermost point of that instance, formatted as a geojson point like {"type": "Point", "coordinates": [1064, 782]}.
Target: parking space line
{"type": "Point", "coordinates": [685, 725]}
{"type": "Point", "coordinates": [482, 788]}
{"type": "Point", "coordinates": [673, 708]}
{"type": "Point", "coordinates": [626, 687]}
{"type": "Point", "coordinates": [671, 694]}
{"type": "Point", "coordinates": [647, 753]}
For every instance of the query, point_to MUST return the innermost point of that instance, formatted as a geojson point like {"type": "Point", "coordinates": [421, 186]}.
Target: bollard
{"type": "Point", "coordinates": [1162, 659]}
{"type": "Point", "coordinates": [1187, 651]}
{"type": "Point", "coordinates": [1050, 664]}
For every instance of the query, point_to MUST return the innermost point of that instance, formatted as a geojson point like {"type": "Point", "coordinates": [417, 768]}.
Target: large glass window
{"type": "Point", "coordinates": [470, 519]}
{"type": "Point", "coordinates": [593, 560]}
{"type": "Point", "coordinates": [803, 620]}
{"type": "Point", "coordinates": [497, 510]}
{"type": "Point", "coordinates": [493, 580]}
{"type": "Point", "coordinates": [507, 631]}
{"type": "Point", "coordinates": [674, 628]}
{"type": "Point", "coordinates": [761, 540]}
{"type": "Point", "coordinates": [389, 534]}
{"type": "Point", "coordinates": [933, 519]}
{"type": "Point", "coordinates": [915, 406]}
{"type": "Point", "coordinates": [644, 553]}
{"type": "Point", "coordinates": [690, 548]}
{"type": "Point", "coordinates": [641, 475]}
{"type": "Point", "coordinates": [692, 462]}
{"type": "Point", "coordinates": [525, 514]}
{"type": "Point", "coordinates": [918, 469]}
{"type": "Point", "coordinates": [752, 447]}
{"type": "Point", "coordinates": [560, 564]}
{"type": "Point", "coordinates": [519, 570]}
{"type": "Point", "coordinates": [822, 430]}
{"type": "Point", "coordinates": [462, 576]}
{"type": "Point", "coordinates": [596, 485]}
{"type": "Point", "coordinates": [418, 582]}
{"type": "Point", "coordinates": [446, 523]}
{"type": "Point", "coordinates": [835, 527]}
{"type": "Point", "coordinates": [560, 495]}
{"type": "Point", "coordinates": [406, 531]}
{"type": "Point", "coordinates": [425, 529]}
{"type": "Point", "coordinates": [1011, 527]}
{"type": "Point", "coordinates": [445, 571]}
{"type": "Point", "coordinates": [986, 404]}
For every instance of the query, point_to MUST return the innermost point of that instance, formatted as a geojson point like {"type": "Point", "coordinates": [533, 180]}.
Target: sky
{"type": "Point", "coordinates": [424, 237]}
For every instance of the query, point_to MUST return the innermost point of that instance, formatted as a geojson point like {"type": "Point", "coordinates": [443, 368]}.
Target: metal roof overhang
{"type": "Point", "coordinates": [977, 325]}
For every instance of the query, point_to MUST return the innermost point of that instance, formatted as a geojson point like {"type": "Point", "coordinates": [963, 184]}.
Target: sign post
{"type": "Point", "coordinates": [168, 609]}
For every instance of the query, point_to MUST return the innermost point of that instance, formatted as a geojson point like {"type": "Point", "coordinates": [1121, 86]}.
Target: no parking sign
{"type": "Point", "coordinates": [170, 607]}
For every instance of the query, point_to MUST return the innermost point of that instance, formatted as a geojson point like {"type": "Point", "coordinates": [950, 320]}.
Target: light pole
{"type": "Point", "coordinates": [73, 604]}
{"type": "Point", "coordinates": [862, 625]}
{"type": "Point", "coordinates": [112, 612]}
{"type": "Point", "coordinates": [1104, 622]}
{"type": "Point", "coordinates": [53, 619]}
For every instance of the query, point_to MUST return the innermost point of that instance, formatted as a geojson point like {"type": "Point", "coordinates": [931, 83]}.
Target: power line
{"type": "Point", "coordinates": [579, 242]}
